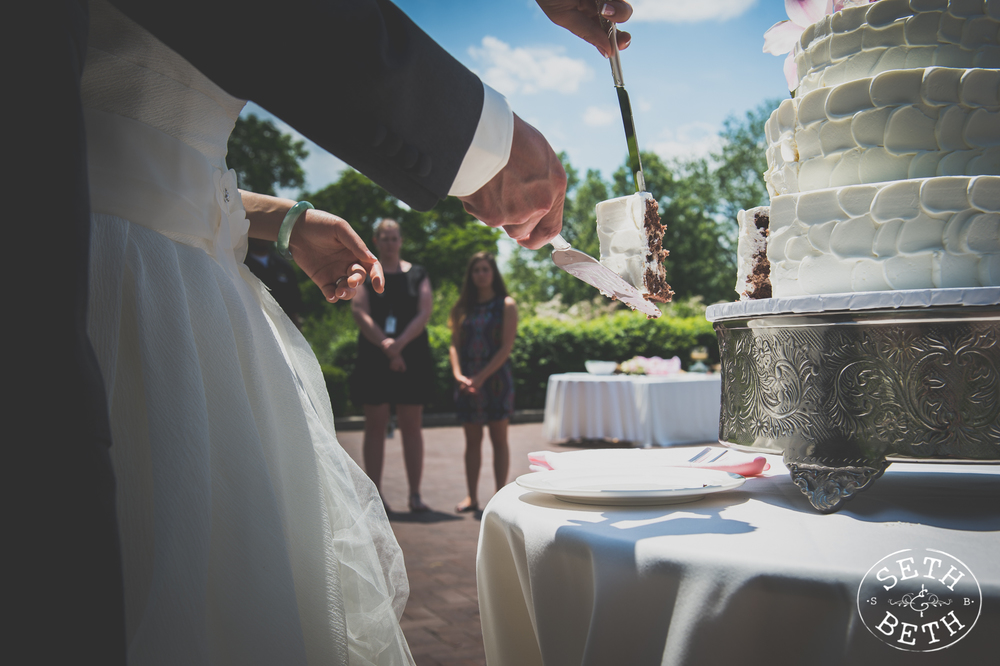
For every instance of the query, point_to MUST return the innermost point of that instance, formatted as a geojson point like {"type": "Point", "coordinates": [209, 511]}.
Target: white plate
{"type": "Point", "coordinates": [629, 486]}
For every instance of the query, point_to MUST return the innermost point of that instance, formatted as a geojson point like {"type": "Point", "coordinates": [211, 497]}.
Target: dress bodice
{"type": "Point", "coordinates": [157, 134]}
{"type": "Point", "coordinates": [159, 83]}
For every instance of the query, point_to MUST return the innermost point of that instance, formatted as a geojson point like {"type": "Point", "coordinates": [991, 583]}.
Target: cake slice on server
{"type": "Point", "coordinates": [631, 237]}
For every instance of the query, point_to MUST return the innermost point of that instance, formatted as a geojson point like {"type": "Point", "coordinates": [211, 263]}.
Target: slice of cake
{"type": "Point", "coordinates": [631, 238]}
{"type": "Point", "coordinates": [754, 270]}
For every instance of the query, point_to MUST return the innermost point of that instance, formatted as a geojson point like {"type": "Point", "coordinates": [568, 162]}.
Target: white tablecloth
{"type": "Point", "coordinates": [661, 410]}
{"type": "Point", "coordinates": [752, 576]}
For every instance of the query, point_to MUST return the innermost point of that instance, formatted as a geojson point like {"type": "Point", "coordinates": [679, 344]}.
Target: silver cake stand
{"type": "Point", "coordinates": [842, 385]}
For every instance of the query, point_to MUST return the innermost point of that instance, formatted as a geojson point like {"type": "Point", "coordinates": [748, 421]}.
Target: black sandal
{"type": "Point", "coordinates": [417, 505]}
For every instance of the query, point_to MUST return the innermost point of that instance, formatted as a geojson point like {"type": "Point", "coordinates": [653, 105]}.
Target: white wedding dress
{"type": "Point", "coordinates": [248, 535]}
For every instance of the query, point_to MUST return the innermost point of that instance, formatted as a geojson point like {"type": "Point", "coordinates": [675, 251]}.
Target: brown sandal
{"type": "Point", "coordinates": [466, 505]}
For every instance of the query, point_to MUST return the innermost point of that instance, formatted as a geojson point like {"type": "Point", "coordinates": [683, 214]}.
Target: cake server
{"type": "Point", "coordinates": [584, 267]}
{"type": "Point", "coordinates": [623, 102]}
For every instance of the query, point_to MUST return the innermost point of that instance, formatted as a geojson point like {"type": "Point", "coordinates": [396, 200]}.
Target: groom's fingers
{"type": "Point", "coordinates": [546, 229]}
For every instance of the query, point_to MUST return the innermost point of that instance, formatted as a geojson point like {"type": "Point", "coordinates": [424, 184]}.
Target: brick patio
{"type": "Point", "coordinates": [441, 621]}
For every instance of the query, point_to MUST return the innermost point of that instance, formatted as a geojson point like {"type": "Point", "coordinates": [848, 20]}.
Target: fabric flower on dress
{"type": "Point", "coordinates": [783, 36]}
{"type": "Point", "coordinates": [235, 220]}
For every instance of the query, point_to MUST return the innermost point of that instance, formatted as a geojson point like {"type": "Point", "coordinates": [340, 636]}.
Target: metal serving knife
{"type": "Point", "coordinates": [584, 267]}
{"type": "Point", "coordinates": [623, 102]}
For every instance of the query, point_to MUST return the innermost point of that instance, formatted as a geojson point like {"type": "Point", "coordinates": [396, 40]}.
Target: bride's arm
{"type": "Point", "coordinates": [323, 245]}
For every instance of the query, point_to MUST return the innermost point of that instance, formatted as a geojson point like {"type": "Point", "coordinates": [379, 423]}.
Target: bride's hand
{"type": "Point", "coordinates": [581, 18]}
{"type": "Point", "coordinates": [333, 255]}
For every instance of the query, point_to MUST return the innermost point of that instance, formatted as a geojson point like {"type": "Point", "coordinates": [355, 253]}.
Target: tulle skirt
{"type": "Point", "coordinates": [248, 534]}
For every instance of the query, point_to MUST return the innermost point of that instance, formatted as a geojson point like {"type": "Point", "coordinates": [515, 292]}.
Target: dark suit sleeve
{"type": "Point", "coordinates": [358, 77]}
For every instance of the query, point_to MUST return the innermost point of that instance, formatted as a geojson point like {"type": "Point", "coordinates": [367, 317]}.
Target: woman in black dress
{"type": "Point", "coordinates": [483, 328]}
{"type": "Point", "coordinates": [394, 365]}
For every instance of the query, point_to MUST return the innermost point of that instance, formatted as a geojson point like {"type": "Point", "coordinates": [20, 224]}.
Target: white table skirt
{"type": "Point", "coordinates": [648, 410]}
{"type": "Point", "coordinates": [752, 576]}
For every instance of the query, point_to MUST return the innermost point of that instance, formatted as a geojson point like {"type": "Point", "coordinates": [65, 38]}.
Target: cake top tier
{"type": "Point", "coordinates": [865, 40]}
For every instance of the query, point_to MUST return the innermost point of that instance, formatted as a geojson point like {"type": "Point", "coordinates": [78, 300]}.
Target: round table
{"type": "Point", "coordinates": [750, 576]}
{"type": "Point", "coordinates": [662, 410]}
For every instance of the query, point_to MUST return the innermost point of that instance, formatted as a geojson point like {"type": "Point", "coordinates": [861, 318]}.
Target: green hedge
{"type": "Point", "coordinates": [544, 347]}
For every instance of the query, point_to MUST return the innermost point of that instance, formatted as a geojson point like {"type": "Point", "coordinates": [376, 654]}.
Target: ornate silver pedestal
{"type": "Point", "coordinates": [843, 393]}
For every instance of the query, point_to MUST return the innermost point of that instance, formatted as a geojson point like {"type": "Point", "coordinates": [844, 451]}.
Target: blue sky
{"type": "Point", "coordinates": [691, 64]}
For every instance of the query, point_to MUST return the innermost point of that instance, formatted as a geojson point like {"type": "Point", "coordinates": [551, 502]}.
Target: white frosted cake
{"type": "Point", "coordinates": [631, 237]}
{"type": "Point", "coordinates": [884, 168]}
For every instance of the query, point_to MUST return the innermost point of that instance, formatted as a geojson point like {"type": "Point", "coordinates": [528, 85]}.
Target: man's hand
{"type": "Point", "coordinates": [582, 18]}
{"type": "Point", "coordinates": [526, 198]}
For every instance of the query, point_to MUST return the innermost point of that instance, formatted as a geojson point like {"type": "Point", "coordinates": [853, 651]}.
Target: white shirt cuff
{"type": "Point", "coordinates": [490, 147]}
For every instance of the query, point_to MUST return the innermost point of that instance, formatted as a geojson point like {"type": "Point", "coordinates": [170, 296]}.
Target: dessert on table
{"type": "Point", "coordinates": [884, 168]}
{"type": "Point", "coordinates": [868, 326]}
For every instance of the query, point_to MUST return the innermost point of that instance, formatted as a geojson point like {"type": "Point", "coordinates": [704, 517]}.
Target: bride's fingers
{"type": "Point", "coordinates": [352, 241]}
{"type": "Point", "coordinates": [588, 29]}
{"type": "Point", "coordinates": [334, 289]}
{"type": "Point", "coordinates": [350, 283]}
{"type": "Point", "coordinates": [378, 277]}
{"type": "Point", "coordinates": [343, 287]}
{"type": "Point", "coordinates": [586, 24]}
{"type": "Point", "coordinates": [619, 12]}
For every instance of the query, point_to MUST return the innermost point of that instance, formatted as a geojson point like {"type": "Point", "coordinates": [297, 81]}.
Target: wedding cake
{"type": "Point", "coordinates": [631, 237]}
{"type": "Point", "coordinates": [884, 167]}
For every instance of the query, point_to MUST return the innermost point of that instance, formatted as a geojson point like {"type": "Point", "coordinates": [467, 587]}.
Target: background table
{"type": "Point", "coordinates": [648, 410]}
{"type": "Point", "coordinates": [752, 576]}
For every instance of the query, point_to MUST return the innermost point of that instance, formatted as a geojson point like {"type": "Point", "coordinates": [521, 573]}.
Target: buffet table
{"type": "Point", "coordinates": [659, 410]}
{"type": "Point", "coordinates": [752, 575]}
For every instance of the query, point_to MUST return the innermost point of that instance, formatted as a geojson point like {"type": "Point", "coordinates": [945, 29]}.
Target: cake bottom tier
{"type": "Point", "coordinates": [914, 234]}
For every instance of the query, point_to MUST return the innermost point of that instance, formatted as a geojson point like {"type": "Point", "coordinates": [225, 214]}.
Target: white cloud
{"type": "Point", "coordinates": [600, 116]}
{"type": "Point", "coordinates": [690, 140]}
{"type": "Point", "coordinates": [528, 69]}
{"type": "Point", "coordinates": [688, 11]}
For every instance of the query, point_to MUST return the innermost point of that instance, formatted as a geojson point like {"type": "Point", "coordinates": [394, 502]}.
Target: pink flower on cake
{"type": "Point", "coordinates": [783, 36]}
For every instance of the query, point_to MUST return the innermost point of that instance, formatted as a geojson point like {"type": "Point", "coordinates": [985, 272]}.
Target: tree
{"type": "Point", "coordinates": [450, 237]}
{"type": "Point", "coordinates": [359, 201]}
{"type": "Point", "coordinates": [264, 157]}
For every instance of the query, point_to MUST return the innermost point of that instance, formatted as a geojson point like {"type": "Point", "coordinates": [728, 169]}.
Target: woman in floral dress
{"type": "Point", "coordinates": [483, 327]}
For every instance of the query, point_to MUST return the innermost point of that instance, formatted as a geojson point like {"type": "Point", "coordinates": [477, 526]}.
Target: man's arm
{"type": "Point", "coordinates": [358, 77]}
{"type": "Point", "coordinates": [364, 82]}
